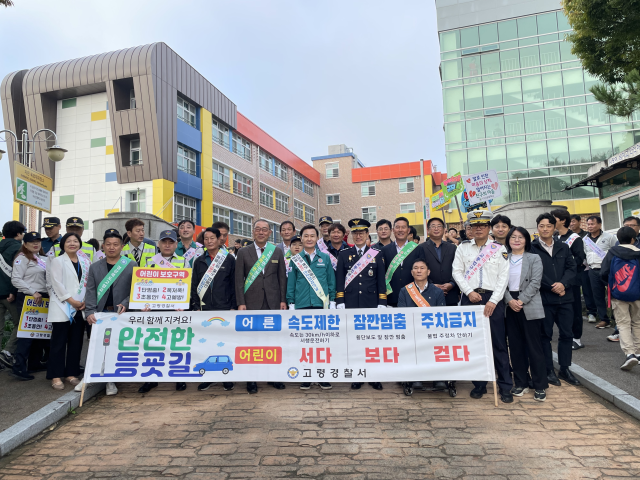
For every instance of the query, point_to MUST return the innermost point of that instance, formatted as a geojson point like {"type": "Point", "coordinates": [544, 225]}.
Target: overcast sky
{"type": "Point", "coordinates": [310, 73]}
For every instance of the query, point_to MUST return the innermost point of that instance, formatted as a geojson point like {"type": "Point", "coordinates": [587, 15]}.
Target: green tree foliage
{"type": "Point", "coordinates": [6, 3]}
{"type": "Point", "coordinates": [622, 99]}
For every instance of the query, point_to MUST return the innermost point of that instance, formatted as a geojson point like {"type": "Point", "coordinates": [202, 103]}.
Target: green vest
{"type": "Point", "coordinates": [86, 248]}
{"type": "Point", "coordinates": [148, 251]}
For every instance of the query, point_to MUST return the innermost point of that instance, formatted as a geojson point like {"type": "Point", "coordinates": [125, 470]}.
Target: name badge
{"type": "Point", "coordinates": [274, 261]}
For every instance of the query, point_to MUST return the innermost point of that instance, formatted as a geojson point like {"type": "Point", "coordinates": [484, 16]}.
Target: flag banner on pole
{"type": "Point", "coordinates": [401, 344]}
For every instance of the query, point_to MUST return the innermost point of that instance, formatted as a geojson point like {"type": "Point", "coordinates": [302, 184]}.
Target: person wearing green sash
{"type": "Point", "coordinates": [109, 284]}
{"type": "Point", "coordinates": [317, 292]}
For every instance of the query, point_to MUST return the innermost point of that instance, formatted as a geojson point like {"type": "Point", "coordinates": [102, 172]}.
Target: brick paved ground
{"type": "Point", "coordinates": [334, 434]}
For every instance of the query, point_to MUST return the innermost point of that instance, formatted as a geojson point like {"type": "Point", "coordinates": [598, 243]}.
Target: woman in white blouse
{"type": "Point", "coordinates": [67, 277]}
{"type": "Point", "coordinates": [29, 277]}
{"type": "Point", "coordinates": [524, 314]}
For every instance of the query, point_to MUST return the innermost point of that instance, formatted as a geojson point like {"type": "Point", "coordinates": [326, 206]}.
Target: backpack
{"type": "Point", "coordinates": [624, 279]}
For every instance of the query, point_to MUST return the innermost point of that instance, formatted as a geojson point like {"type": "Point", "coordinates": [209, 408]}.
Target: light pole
{"type": "Point", "coordinates": [24, 154]}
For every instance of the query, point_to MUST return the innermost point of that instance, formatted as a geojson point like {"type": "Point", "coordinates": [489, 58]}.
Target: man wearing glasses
{"type": "Point", "coordinates": [261, 278]}
{"type": "Point", "coordinates": [440, 255]}
{"type": "Point", "coordinates": [383, 228]}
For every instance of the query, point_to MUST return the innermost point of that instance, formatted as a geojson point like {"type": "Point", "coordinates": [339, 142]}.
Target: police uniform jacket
{"type": "Point", "coordinates": [493, 276]}
{"type": "Point", "coordinates": [367, 290]}
{"type": "Point", "coordinates": [402, 276]}
{"type": "Point", "coordinates": [221, 293]}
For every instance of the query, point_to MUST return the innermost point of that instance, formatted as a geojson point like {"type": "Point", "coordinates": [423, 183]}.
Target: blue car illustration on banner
{"type": "Point", "coordinates": [215, 363]}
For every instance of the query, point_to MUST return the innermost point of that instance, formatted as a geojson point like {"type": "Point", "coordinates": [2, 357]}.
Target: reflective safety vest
{"type": "Point", "coordinates": [86, 248]}
{"type": "Point", "coordinates": [148, 251]}
{"type": "Point", "coordinates": [176, 261]}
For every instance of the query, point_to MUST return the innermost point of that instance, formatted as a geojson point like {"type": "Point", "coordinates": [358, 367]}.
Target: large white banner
{"type": "Point", "coordinates": [402, 344]}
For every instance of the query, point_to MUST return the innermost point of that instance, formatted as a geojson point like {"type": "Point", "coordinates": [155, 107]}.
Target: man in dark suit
{"type": "Point", "coordinates": [114, 292]}
{"type": "Point", "coordinates": [265, 288]}
{"type": "Point", "coordinates": [398, 273]}
{"type": "Point", "coordinates": [440, 257]}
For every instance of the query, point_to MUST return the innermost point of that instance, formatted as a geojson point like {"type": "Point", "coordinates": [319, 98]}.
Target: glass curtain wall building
{"type": "Point", "coordinates": [516, 100]}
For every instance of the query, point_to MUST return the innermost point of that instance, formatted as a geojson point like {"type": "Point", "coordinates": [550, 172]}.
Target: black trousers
{"type": "Point", "coordinates": [29, 352]}
{"type": "Point", "coordinates": [599, 290]}
{"type": "Point", "coordinates": [587, 293]}
{"type": "Point", "coordinates": [525, 347]}
{"type": "Point", "coordinates": [66, 348]}
{"type": "Point", "coordinates": [499, 342]}
{"type": "Point", "coordinates": [562, 315]}
{"type": "Point", "coordinates": [576, 327]}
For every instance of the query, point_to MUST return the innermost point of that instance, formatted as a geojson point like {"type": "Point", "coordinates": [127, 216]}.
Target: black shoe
{"type": "Point", "coordinates": [24, 376]}
{"type": "Point", "coordinates": [146, 387]}
{"type": "Point", "coordinates": [181, 386]}
{"type": "Point", "coordinates": [478, 392]}
{"type": "Point", "coordinates": [629, 362]}
{"type": "Point", "coordinates": [519, 391]}
{"type": "Point", "coordinates": [506, 397]}
{"type": "Point", "coordinates": [376, 385]}
{"type": "Point", "coordinates": [305, 386]}
{"type": "Point", "coordinates": [439, 385]}
{"type": "Point", "coordinates": [553, 379]}
{"type": "Point", "coordinates": [228, 386]}
{"type": "Point", "coordinates": [539, 395]}
{"type": "Point", "coordinates": [325, 386]}
{"type": "Point", "coordinates": [576, 346]}
{"type": "Point", "coordinates": [277, 385]}
{"type": "Point", "coordinates": [566, 375]}
{"type": "Point", "coordinates": [356, 386]}
{"type": "Point", "coordinates": [204, 386]}
{"type": "Point", "coordinates": [252, 387]}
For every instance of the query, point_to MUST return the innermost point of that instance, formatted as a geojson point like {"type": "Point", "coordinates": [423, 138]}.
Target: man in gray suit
{"type": "Point", "coordinates": [261, 278]}
{"type": "Point", "coordinates": [109, 284]}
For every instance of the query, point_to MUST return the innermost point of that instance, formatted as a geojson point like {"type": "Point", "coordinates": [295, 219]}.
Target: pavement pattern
{"type": "Point", "coordinates": [339, 434]}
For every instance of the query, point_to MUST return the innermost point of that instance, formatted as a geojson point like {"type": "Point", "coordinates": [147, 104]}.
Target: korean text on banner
{"type": "Point", "coordinates": [33, 321]}
{"type": "Point", "coordinates": [32, 188]}
{"type": "Point", "coordinates": [407, 344]}
{"type": "Point", "coordinates": [452, 186]}
{"type": "Point", "coordinates": [160, 288]}
{"type": "Point", "coordinates": [482, 187]}
{"type": "Point", "coordinates": [438, 200]}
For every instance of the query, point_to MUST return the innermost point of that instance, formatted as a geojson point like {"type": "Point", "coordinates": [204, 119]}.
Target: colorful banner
{"type": "Point", "coordinates": [482, 187]}
{"type": "Point", "coordinates": [452, 186]}
{"type": "Point", "coordinates": [33, 322]}
{"type": "Point", "coordinates": [438, 200]}
{"type": "Point", "coordinates": [466, 206]}
{"type": "Point", "coordinates": [402, 344]}
{"type": "Point", "coordinates": [160, 288]}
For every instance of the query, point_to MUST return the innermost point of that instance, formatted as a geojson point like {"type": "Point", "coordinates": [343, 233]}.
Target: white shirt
{"type": "Point", "coordinates": [311, 255]}
{"type": "Point", "coordinates": [494, 275]}
{"type": "Point", "coordinates": [259, 251]}
{"type": "Point", "coordinates": [548, 248]}
{"type": "Point", "coordinates": [399, 248]}
{"type": "Point", "coordinates": [422, 289]}
{"type": "Point", "coordinates": [515, 270]}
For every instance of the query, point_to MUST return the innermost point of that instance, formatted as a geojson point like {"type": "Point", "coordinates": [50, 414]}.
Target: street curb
{"type": "Point", "coordinates": [621, 399]}
{"type": "Point", "coordinates": [29, 427]}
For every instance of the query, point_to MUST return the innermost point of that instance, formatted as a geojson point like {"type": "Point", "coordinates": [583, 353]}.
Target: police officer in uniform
{"type": "Point", "coordinates": [75, 225]}
{"type": "Point", "coordinates": [486, 286]}
{"type": "Point", "coordinates": [52, 231]}
{"type": "Point", "coordinates": [367, 289]}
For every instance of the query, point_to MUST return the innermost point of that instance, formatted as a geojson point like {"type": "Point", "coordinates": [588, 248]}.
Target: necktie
{"type": "Point", "coordinates": [261, 250]}
{"type": "Point", "coordinates": [359, 253]}
{"type": "Point", "coordinates": [136, 254]}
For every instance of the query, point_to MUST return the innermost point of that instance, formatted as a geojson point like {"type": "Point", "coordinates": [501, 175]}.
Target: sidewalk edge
{"type": "Point", "coordinates": [621, 399]}
{"type": "Point", "coordinates": [29, 427]}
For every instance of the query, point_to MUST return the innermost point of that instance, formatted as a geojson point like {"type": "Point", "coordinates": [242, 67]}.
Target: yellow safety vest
{"type": "Point", "coordinates": [148, 251]}
{"type": "Point", "coordinates": [176, 261]}
{"type": "Point", "coordinates": [86, 248]}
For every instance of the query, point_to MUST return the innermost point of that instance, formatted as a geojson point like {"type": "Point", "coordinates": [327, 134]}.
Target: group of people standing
{"type": "Point", "coordinates": [525, 286]}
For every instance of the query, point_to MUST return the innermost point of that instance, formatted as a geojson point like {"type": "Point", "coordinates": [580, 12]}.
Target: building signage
{"type": "Point", "coordinates": [32, 188]}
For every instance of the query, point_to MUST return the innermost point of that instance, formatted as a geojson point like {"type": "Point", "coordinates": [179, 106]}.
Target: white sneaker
{"type": "Point", "coordinates": [592, 319]}
{"type": "Point", "coordinates": [111, 388]}
{"type": "Point", "coordinates": [614, 338]}
{"type": "Point", "coordinates": [78, 387]}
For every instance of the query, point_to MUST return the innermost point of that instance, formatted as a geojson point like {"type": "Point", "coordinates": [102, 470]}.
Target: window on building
{"type": "Point", "coordinates": [302, 184]}
{"type": "Point", "coordinates": [407, 208]}
{"type": "Point", "coordinates": [242, 185]}
{"type": "Point", "coordinates": [281, 171]}
{"type": "Point", "coordinates": [369, 214]}
{"type": "Point", "coordinates": [368, 189]}
{"type": "Point", "coordinates": [242, 224]}
{"type": "Point", "coordinates": [333, 199]}
{"type": "Point", "coordinates": [266, 196]}
{"type": "Point", "coordinates": [242, 147]}
{"type": "Point", "coordinates": [266, 161]}
{"type": "Point", "coordinates": [308, 188]}
{"type": "Point", "coordinates": [136, 201]}
{"type": "Point", "coordinates": [275, 232]}
{"type": "Point", "coordinates": [187, 160]}
{"type": "Point", "coordinates": [298, 210]}
{"type": "Point", "coordinates": [332, 170]}
{"type": "Point", "coordinates": [374, 237]}
{"type": "Point", "coordinates": [132, 98]}
{"type": "Point", "coordinates": [282, 202]}
{"type": "Point", "coordinates": [406, 185]}
{"type": "Point", "coordinates": [135, 155]}
{"type": "Point", "coordinates": [221, 215]}
{"type": "Point", "coordinates": [220, 176]}
{"type": "Point", "coordinates": [309, 215]}
{"type": "Point", "coordinates": [220, 133]}
{"type": "Point", "coordinates": [187, 112]}
{"type": "Point", "coordinates": [184, 208]}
